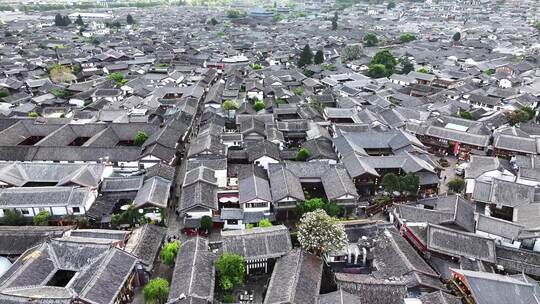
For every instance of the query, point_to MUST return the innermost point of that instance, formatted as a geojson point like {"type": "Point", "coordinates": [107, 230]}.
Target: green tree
{"type": "Point", "coordinates": [350, 52]}
{"type": "Point", "coordinates": [302, 155]}
{"type": "Point", "coordinates": [118, 78]}
{"type": "Point", "coordinates": [387, 59]}
{"type": "Point", "coordinates": [308, 206]}
{"type": "Point", "coordinates": [60, 93]}
{"type": "Point", "coordinates": [140, 138]}
{"type": "Point", "coordinates": [231, 271]}
{"type": "Point", "coordinates": [58, 20]}
{"type": "Point", "coordinates": [406, 65]}
{"type": "Point", "coordinates": [60, 73]}
{"type": "Point", "coordinates": [423, 70]}
{"type": "Point", "coordinates": [77, 68]}
{"type": "Point", "coordinates": [33, 114]}
{"type": "Point", "coordinates": [335, 21]}
{"type": "Point", "coordinates": [465, 115]}
{"type": "Point", "coordinates": [377, 71]}
{"type": "Point", "coordinates": [319, 233]}
{"type": "Point", "coordinates": [206, 223]}
{"type": "Point", "coordinates": [213, 21]}
{"type": "Point", "coordinates": [265, 223]}
{"type": "Point", "coordinates": [278, 17]}
{"type": "Point", "coordinates": [456, 185]}
{"type": "Point", "coordinates": [156, 291]}
{"type": "Point", "coordinates": [66, 20]}
{"type": "Point", "coordinates": [4, 93]}
{"type": "Point", "coordinates": [306, 57]}
{"type": "Point", "coordinates": [407, 38]}
{"type": "Point", "coordinates": [370, 39]}
{"type": "Point", "coordinates": [537, 25]}
{"type": "Point", "coordinates": [298, 91]}
{"type": "Point", "coordinates": [168, 253]}
{"type": "Point", "coordinates": [229, 298]}
{"type": "Point", "coordinates": [130, 20]}
{"type": "Point", "coordinates": [79, 21]}
{"type": "Point", "coordinates": [531, 113]}
{"type": "Point", "coordinates": [391, 183]}
{"type": "Point", "coordinates": [259, 105]}
{"type": "Point", "coordinates": [229, 105]}
{"type": "Point", "coordinates": [13, 217]}
{"type": "Point", "coordinates": [410, 183]}
{"type": "Point", "coordinates": [319, 57]}
{"type": "Point", "coordinates": [41, 219]}
{"type": "Point", "coordinates": [519, 116]}
{"type": "Point", "coordinates": [331, 208]}
{"type": "Point", "coordinates": [235, 13]}
{"type": "Point", "coordinates": [456, 37]}
{"type": "Point", "coordinates": [391, 5]}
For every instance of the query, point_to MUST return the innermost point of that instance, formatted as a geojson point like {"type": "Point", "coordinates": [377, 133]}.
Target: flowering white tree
{"type": "Point", "coordinates": [319, 233]}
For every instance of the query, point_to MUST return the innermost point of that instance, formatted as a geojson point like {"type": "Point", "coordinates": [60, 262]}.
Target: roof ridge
{"type": "Point", "coordinates": [97, 273]}
{"type": "Point", "coordinates": [297, 271]}
{"type": "Point", "coordinates": [193, 264]}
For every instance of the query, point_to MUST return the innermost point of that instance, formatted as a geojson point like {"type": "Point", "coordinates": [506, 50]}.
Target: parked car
{"type": "Point", "coordinates": [460, 169]}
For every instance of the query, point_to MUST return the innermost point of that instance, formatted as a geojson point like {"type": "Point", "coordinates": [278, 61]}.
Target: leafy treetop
{"type": "Point", "coordinates": [168, 252]}
{"type": "Point", "coordinates": [313, 204]}
{"type": "Point", "coordinates": [302, 155]}
{"type": "Point", "coordinates": [140, 138]}
{"type": "Point", "coordinates": [130, 20]}
{"type": "Point", "coordinates": [319, 57]}
{"type": "Point", "coordinates": [231, 270]}
{"type": "Point", "coordinates": [156, 291]}
{"type": "Point", "coordinates": [370, 39]}
{"type": "Point", "coordinates": [306, 56]}
{"type": "Point", "coordinates": [41, 219]}
{"type": "Point", "coordinates": [407, 37]}
{"type": "Point", "coordinates": [319, 233]}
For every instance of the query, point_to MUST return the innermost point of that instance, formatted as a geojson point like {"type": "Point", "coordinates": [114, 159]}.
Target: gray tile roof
{"type": "Point", "coordinates": [198, 194]}
{"type": "Point", "coordinates": [44, 197]}
{"type": "Point", "coordinates": [284, 183]}
{"type": "Point", "coordinates": [254, 188]}
{"type": "Point", "coordinates": [505, 193]}
{"type": "Point", "coordinates": [372, 290]}
{"type": "Point", "coordinates": [458, 136]}
{"type": "Point", "coordinates": [121, 184]}
{"type": "Point", "coordinates": [296, 279]}
{"type": "Point", "coordinates": [439, 297]}
{"type": "Point", "coordinates": [154, 192]}
{"type": "Point", "coordinates": [460, 244]}
{"type": "Point", "coordinates": [258, 243]}
{"type": "Point", "coordinates": [194, 274]}
{"type": "Point", "coordinates": [15, 240]}
{"type": "Point", "coordinates": [102, 272]}
{"type": "Point", "coordinates": [488, 287]}
{"type": "Point", "coordinates": [339, 297]}
{"type": "Point", "coordinates": [498, 227]}
{"type": "Point", "coordinates": [516, 143]}
{"type": "Point", "coordinates": [20, 173]}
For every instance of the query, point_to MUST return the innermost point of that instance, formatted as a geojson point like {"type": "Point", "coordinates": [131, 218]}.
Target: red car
{"type": "Point", "coordinates": [190, 231]}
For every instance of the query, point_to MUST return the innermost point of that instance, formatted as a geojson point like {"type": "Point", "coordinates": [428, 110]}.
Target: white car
{"type": "Point", "coordinates": [460, 169]}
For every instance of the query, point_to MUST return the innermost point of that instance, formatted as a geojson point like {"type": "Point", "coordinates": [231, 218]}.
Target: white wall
{"type": "Point", "coordinates": [240, 225]}
{"type": "Point", "coordinates": [221, 176]}
{"type": "Point", "coordinates": [256, 209]}
{"type": "Point", "coordinates": [199, 214]}
{"type": "Point", "coordinates": [264, 161]}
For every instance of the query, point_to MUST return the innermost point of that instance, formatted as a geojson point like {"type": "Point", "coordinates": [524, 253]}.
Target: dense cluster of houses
{"type": "Point", "coordinates": [188, 114]}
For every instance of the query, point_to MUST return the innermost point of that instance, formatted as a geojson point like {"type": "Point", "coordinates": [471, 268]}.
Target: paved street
{"type": "Point", "coordinates": [447, 174]}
